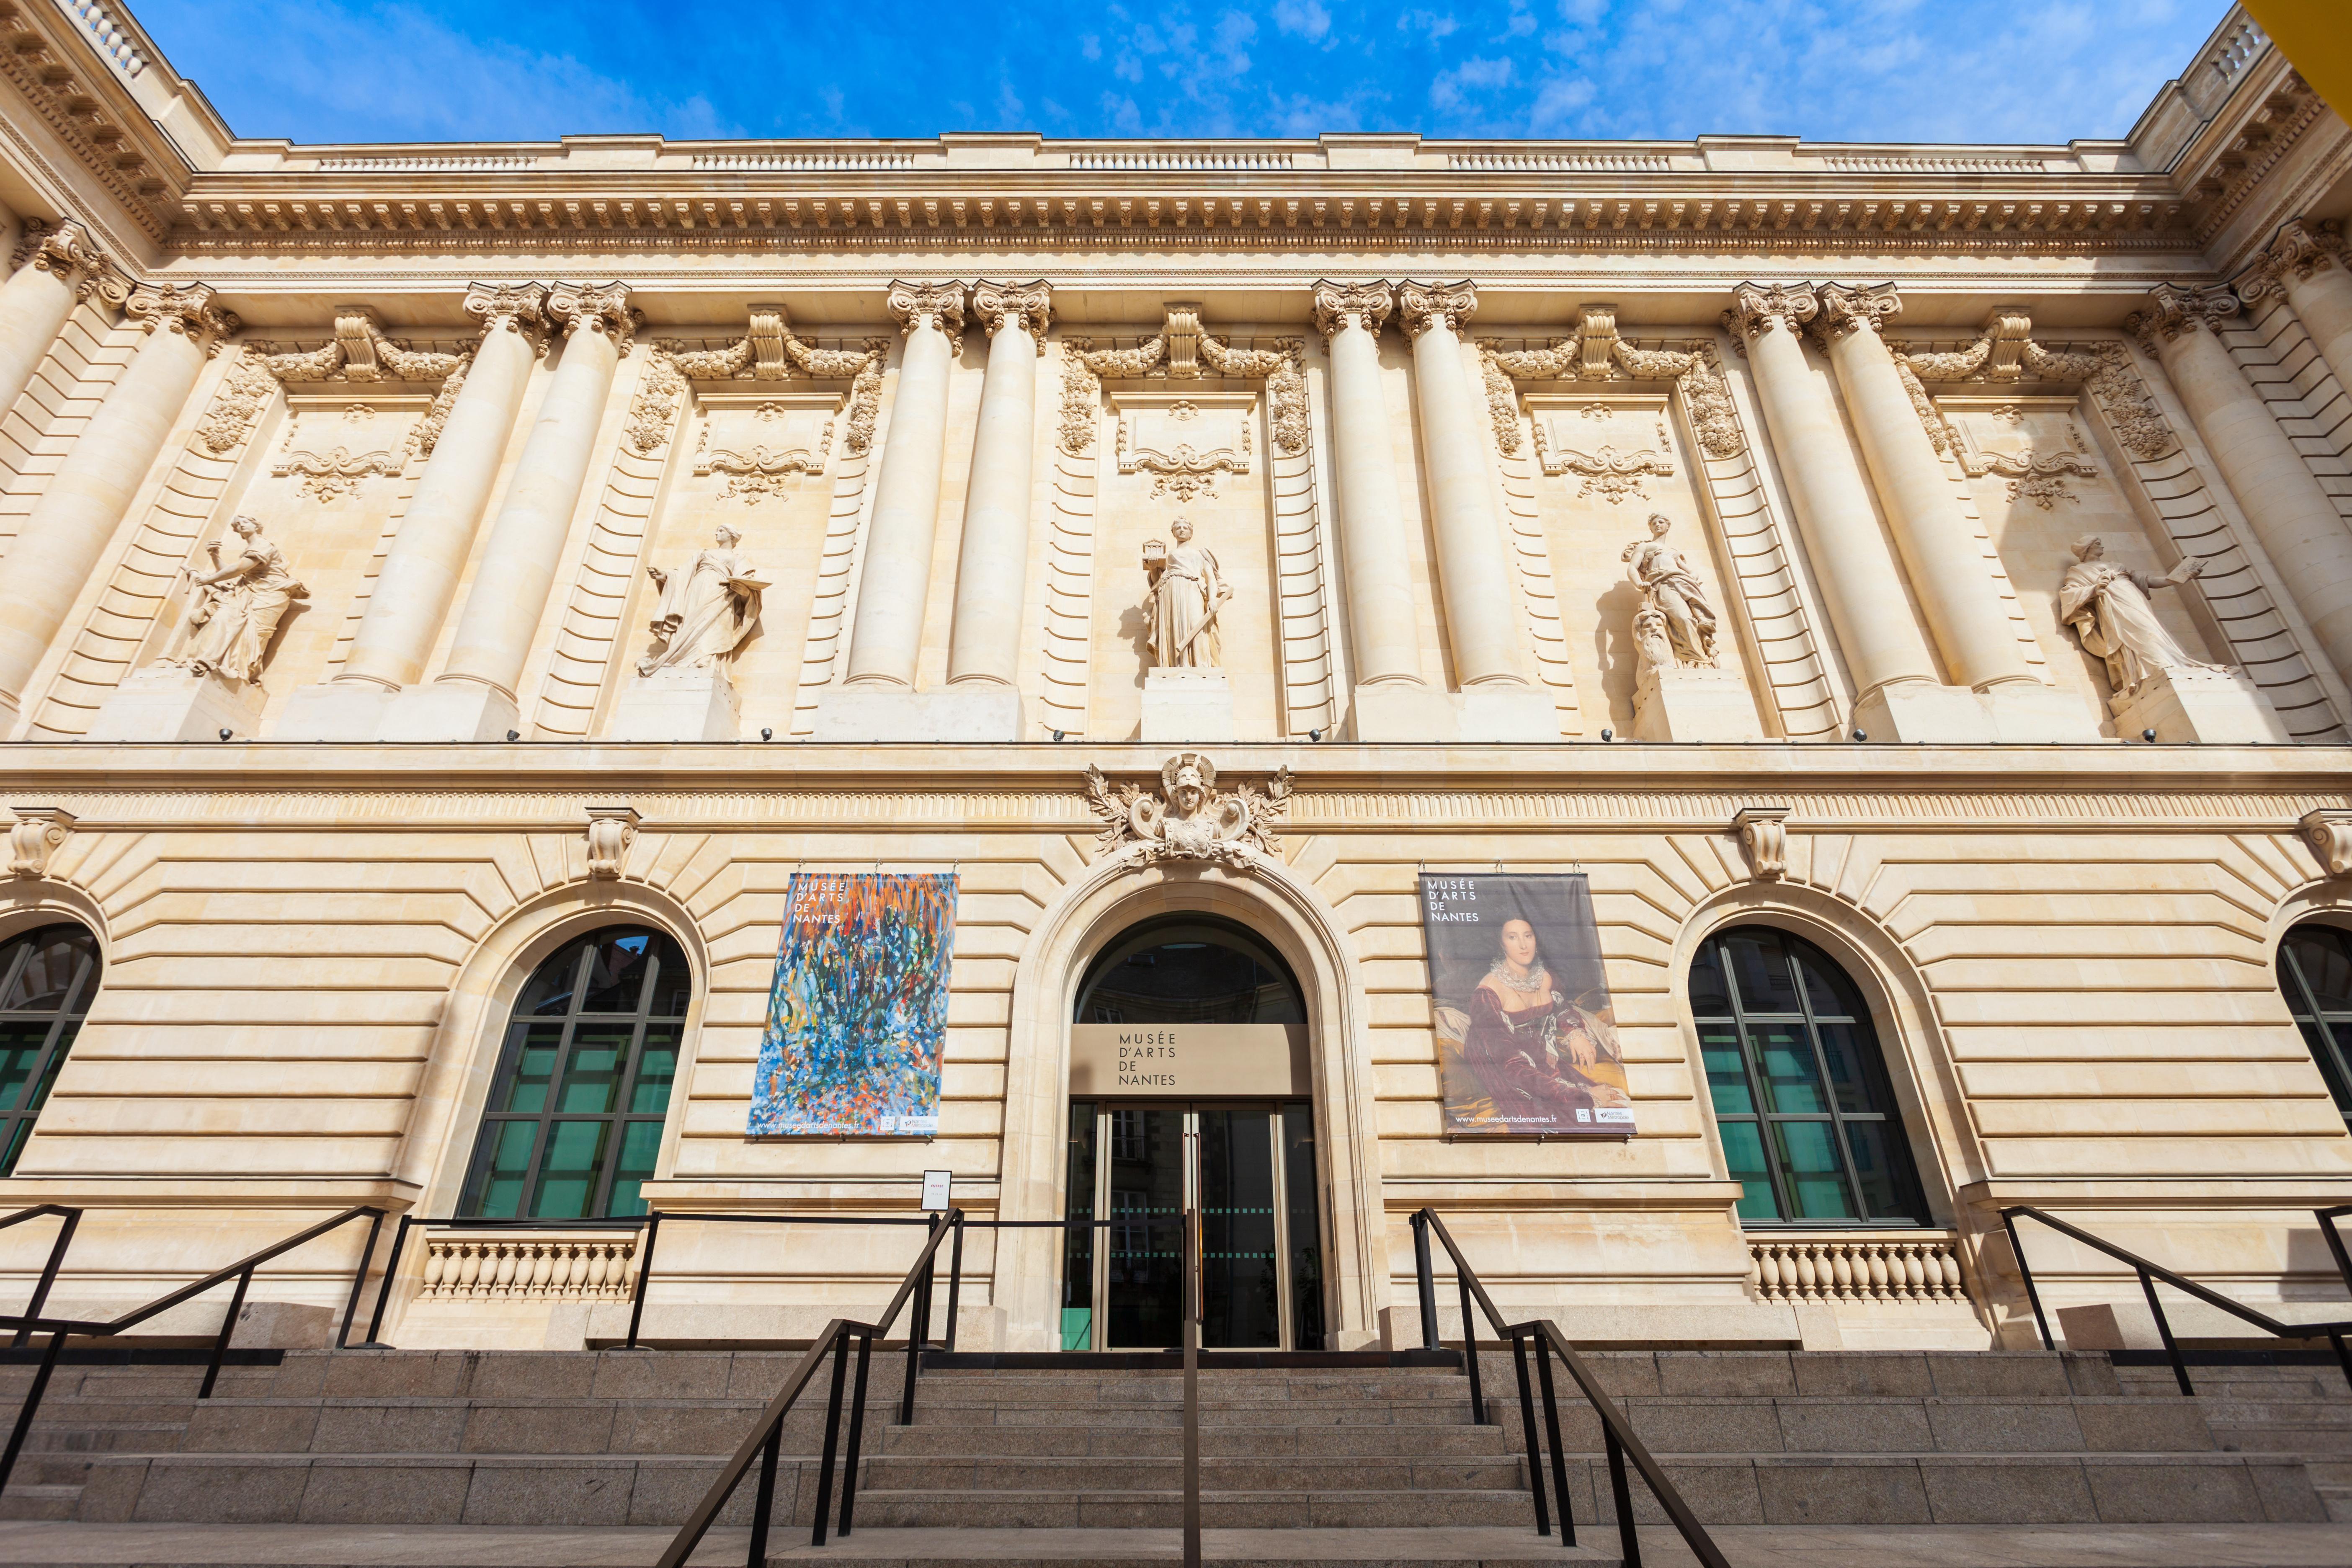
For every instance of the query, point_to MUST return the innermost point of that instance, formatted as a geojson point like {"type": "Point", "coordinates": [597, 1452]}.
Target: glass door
{"type": "Point", "coordinates": [1248, 1170]}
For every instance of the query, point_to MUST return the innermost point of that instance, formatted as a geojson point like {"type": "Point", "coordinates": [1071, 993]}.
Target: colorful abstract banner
{"type": "Point", "coordinates": [858, 1012]}
{"type": "Point", "coordinates": [1527, 1043]}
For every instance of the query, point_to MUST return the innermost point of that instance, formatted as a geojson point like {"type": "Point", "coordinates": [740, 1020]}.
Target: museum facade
{"type": "Point", "coordinates": [1717, 712]}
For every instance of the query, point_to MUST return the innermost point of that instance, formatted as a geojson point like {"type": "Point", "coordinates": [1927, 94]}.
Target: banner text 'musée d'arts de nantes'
{"type": "Point", "coordinates": [1526, 1042]}
{"type": "Point", "coordinates": [858, 1010]}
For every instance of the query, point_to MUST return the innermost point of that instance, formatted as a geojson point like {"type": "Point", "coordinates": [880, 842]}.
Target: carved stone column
{"type": "Point", "coordinates": [67, 534]}
{"type": "Point", "coordinates": [992, 564]}
{"type": "Point", "coordinates": [1963, 606]}
{"type": "Point", "coordinates": [1474, 568]}
{"type": "Point", "coordinates": [1391, 700]}
{"type": "Point", "coordinates": [474, 697]}
{"type": "Point", "coordinates": [2306, 263]}
{"type": "Point", "coordinates": [2297, 524]}
{"type": "Point", "coordinates": [1897, 694]}
{"type": "Point", "coordinates": [418, 581]}
{"type": "Point", "coordinates": [64, 265]}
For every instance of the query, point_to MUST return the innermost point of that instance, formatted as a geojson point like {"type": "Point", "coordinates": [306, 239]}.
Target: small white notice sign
{"type": "Point", "coordinates": [935, 1191]}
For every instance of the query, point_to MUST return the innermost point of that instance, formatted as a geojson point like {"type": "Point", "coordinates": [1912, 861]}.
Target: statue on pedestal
{"type": "Point", "coordinates": [2108, 608]}
{"type": "Point", "coordinates": [1675, 627]}
{"type": "Point", "coordinates": [1187, 590]}
{"type": "Point", "coordinates": [705, 611]}
{"type": "Point", "coordinates": [238, 605]}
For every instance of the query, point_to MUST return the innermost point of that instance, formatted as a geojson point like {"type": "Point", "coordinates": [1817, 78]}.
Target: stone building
{"type": "Point", "coordinates": [447, 593]}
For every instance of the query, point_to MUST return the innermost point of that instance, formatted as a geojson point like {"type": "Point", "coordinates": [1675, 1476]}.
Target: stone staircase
{"type": "Point", "coordinates": [616, 1437]}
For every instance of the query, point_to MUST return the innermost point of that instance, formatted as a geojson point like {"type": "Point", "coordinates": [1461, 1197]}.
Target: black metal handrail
{"type": "Point", "coordinates": [61, 1329]}
{"type": "Point", "coordinates": [72, 1217]}
{"type": "Point", "coordinates": [766, 1440]}
{"type": "Point", "coordinates": [1616, 1433]}
{"type": "Point", "coordinates": [2149, 1273]}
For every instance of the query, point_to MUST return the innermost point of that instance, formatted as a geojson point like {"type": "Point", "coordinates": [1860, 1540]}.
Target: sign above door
{"type": "Point", "coordinates": [1188, 1060]}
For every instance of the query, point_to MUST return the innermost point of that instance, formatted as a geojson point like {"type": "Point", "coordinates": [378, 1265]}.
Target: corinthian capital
{"type": "Point", "coordinates": [1420, 306]}
{"type": "Point", "coordinates": [1845, 310]}
{"type": "Point", "coordinates": [927, 304]}
{"type": "Point", "coordinates": [600, 308]}
{"type": "Point", "coordinates": [67, 252]}
{"type": "Point", "coordinates": [184, 308]}
{"type": "Point", "coordinates": [2174, 309]}
{"type": "Point", "coordinates": [1758, 308]}
{"type": "Point", "coordinates": [1031, 305]}
{"type": "Point", "coordinates": [1337, 304]}
{"type": "Point", "coordinates": [2299, 250]}
{"type": "Point", "coordinates": [511, 307]}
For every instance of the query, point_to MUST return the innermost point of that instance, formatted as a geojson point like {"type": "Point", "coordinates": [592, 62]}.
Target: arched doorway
{"type": "Point", "coordinates": [1190, 1087]}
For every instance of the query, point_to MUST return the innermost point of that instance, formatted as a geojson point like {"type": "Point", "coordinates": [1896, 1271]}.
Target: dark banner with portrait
{"type": "Point", "coordinates": [1527, 1044]}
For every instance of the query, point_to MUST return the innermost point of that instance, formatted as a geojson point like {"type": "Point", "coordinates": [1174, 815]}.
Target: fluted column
{"type": "Point", "coordinates": [2306, 262]}
{"type": "Point", "coordinates": [992, 564]}
{"type": "Point", "coordinates": [2298, 525]}
{"type": "Point", "coordinates": [64, 265]}
{"type": "Point", "coordinates": [1938, 542]}
{"type": "Point", "coordinates": [894, 581]}
{"type": "Point", "coordinates": [1374, 558]}
{"type": "Point", "coordinates": [1881, 643]}
{"type": "Point", "coordinates": [1473, 572]}
{"type": "Point", "coordinates": [63, 539]}
{"type": "Point", "coordinates": [418, 581]}
{"type": "Point", "coordinates": [519, 564]}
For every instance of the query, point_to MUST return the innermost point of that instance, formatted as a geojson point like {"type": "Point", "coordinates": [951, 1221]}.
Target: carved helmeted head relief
{"type": "Point", "coordinates": [1028, 305]}
{"type": "Point", "coordinates": [184, 308]}
{"type": "Point", "coordinates": [1758, 308]}
{"type": "Point", "coordinates": [1188, 818]}
{"type": "Point", "coordinates": [1339, 305]}
{"type": "Point", "coordinates": [1420, 306]}
{"type": "Point", "coordinates": [602, 308]}
{"type": "Point", "coordinates": [1845, 310]}
{"type": "Point", "coordinates": [2175, 310]}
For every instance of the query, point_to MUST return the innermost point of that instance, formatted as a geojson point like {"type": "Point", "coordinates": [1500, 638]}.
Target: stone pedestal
{"type": "Point", "coordinates": [2218, 707]}
{"type": "Point", "coordinates": [677, 705]}
{"type": "Point", "coordinates": [449, 710]}
{"type": "Point", "coordinates": [1905, 712]}
{"type": "Point", "coordinates": [2026, 711]}
{"type": "Point", "coordinates": [1401, 711]}
{"type": "Point", "coordinates": [332, 711]}
{"type": "Point", "coordinates": [170, 704]}
{"type": "Point", "coordinates": [1504, 714]}
{"type": "Point", "coordinates": [1187, 707]}
{"type": "Point", "coordinates": [1681, 704]}
{"type": "Point", "coordinates": [974, 713]}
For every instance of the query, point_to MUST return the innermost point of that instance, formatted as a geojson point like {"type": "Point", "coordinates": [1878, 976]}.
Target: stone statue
{"type": "Point", "coordinates": [705, 611]}
{"type": "Point", "coordinates": [239, 607]}
{"type": "Point", "coordinates": [1674, 627]}
{"type": "Point", "coordinates": [1188, 589]}
{"type": "Point", "coordinates": [2108, 608]}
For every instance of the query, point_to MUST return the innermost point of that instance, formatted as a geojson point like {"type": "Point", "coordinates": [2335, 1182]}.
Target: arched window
{"type": "Point", "coordinates": [575, 1115]}
{"type": "Point", "coordinates": [46, 979]}
{"type": "Point", "coordinates": [1189, 969]}
{"type": "Point", "coordinates": [1809, 1121]}
{"type": "Point", "coordinates": [2314, 970]}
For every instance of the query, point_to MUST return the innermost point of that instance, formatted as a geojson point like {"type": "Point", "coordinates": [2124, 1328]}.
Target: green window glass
{"type": "Point", "coordinates": [2314, 970]}
{"type": "Point", "coordinates": [1810, 1127]}
{"type": "Point", "coordinates": [47, 978]}
{"type": "Point", "coordinates": [583, 1083]}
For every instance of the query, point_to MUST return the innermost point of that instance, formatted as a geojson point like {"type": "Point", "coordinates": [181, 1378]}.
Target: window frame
{"type": "Point", "coordinates": [474, 1192]}
{"type": "Point", "coordinates": [1879, 1077]}
{"type": "Point", "coordinates": [2302, 1005]}
{"type": "Point", "coordinates": [16, 1124]}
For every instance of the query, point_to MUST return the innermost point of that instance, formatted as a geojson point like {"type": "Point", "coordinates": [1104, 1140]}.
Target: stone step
{"type": "Point", "coordinates": [1110, 1441]}
{"type": "Point", "coordinates": [2287, 1437]}
{"type": "Point", "coordinates": [1295, 1472]}
{"type": "Point", "coordinates": [23, 1501]}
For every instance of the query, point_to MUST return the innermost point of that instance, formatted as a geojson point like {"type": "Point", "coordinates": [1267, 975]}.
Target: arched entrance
{"type": "Point", "coordinates": [1191, 1088]}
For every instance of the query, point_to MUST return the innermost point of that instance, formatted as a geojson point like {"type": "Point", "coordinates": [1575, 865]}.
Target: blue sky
{"type": "Point", "coordinates": [1908, 70]}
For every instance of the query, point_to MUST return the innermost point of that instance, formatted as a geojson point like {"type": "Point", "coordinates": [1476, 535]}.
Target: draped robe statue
{"type": "Point", "coordinates": [1188, 589]}
{"type": "Point", "coordinates": [1671, 596]}
{"type": "Point", "coordinates": [706, 610]}
{"type": "Point", "coordinates": [2108, 608]}
{"type": "Point", "coordinates": [240, 604]}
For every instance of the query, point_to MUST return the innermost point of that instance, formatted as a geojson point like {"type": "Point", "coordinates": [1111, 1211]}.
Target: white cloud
{"type": "Point", "coordinates": [1302, 19]}
{"type": "Point", "coordinates": [1452, 88]}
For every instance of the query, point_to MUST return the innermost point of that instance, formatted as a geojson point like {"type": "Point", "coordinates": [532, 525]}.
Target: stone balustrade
{"type": "Point", "coordinates": [1918, 1266]}
{"type": "Point", "coordinates": [474, 1266]}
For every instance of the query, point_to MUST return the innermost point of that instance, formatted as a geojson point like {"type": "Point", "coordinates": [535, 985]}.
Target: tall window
{"type": "Point", "coordinates": [46, 979]}
{"type": "Point", "coordinates": [575, 1115]}
{"type": "Point", "coordinates": [1809, 1127]}
{"type": "Point", "coordinates": [2314, 970]}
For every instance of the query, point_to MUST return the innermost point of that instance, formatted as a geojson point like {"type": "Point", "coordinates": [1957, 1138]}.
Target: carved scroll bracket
{"type": "Point", "coordinates": [610, 830]}
{"type": "Point", "coordinates": [1764, 836]}
{"type": "Point", "coordinates": [41, 831]}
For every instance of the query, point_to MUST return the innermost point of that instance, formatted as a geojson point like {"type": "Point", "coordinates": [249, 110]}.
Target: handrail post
{"type": "Point", "coordinates": [831, 1437]}
{"type": "Point", "coordinates": [1628, 1538]}
{"type": "Point", "coordinates": [764, 1501]}
{"type": "Point", "coordinates": [918, 1323]}
{"type": "Point", "coordinates": [359, 1281]}
{"type": "Point", "coordinates": [2164, 1327]}
{"type": "Point", "coordinates": [1191, 1331]}
{"type": "Point", "coordinates": [1551, 1430]}
{"type": "Point", "coordinates": [1470, 1353]}
{"type": "Point", "coordinates": [32, 1405]}
{"type": "Point", "coordinates": [374, 1341]}
{"type": "Point", "coordinates": [1424, 1280]}
{"type": "Point", "coordinates": [23, 1336]}
{"type": "Point", "coordinates": [2334, 1240]}
{"type": "Point", "coordinates": [645, 1274]}
{"type": "Point", "coordinates": [228, 1327]}
{"type": "Point", "coordinates": [1527, 1428]}
{"type": "Point", "coordinates": [955, 1283]}
{"type": "Point", "coordinates": [2025, 1272]}
{"type": "Point", "coordinates": [856, 1438]}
